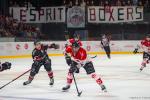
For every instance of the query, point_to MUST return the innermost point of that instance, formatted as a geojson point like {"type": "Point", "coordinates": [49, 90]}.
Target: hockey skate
{"type": "Point", "coordinates": [144, 65]}
{"type": "Point", "coordinates": [103, 88]}
{"type": "Point", "coordinates": [108, 56]}
{"type": "Point", "coordinates": [51, 81]}
{"type": "Point", "coordinates": [67, 87]}
{"type": "Point", "coordinates": [141, 68]}
{"type": "Point", "coordinates": [27, 82]}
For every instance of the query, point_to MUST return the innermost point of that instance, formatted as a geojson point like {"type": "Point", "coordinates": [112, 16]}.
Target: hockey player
{"type": "Point", "coordinates": [145, 45]}
{"type": "Point", "coordinates": [80, 59]}
{"type": "Point", "coordinates": [40, 57]}
{"type": "Point", "coordinates": [5, 66]}
{"type": "Point", "coordinates": [105, 41]}
{"type": "Point", "coordinates": [69, 43]}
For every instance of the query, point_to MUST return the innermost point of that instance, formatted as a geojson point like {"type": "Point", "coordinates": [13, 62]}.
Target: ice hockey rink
{"type": "Point", "coordinates": [120, 74]}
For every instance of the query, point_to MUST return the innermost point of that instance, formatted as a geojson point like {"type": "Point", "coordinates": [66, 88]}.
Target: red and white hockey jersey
{"type": "Point", "coordinates": [80, 57]}
{"type": "Point", "coordinates": [145, 45]}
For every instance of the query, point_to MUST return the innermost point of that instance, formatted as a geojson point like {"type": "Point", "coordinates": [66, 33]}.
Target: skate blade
{"type": "Point", "coordinates": [51, 85]}
{"type": "Point", "coordinates": [65, 90]}
{"type": "Point", "coordinates": [104, 91]}
{"type": "Point", "coordinates": [79, 94]}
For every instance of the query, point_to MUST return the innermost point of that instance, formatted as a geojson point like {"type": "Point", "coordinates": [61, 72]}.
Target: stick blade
{"type": "Point", "coordinates": [94, 56]}
{"type": "Point", "coordinates": [79, 94]}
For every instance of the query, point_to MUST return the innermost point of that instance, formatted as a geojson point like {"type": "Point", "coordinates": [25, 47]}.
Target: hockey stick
{"type": "Point", "coordinates": [15, 79]}
{"type": "Point", "coordinates": [94, 56]}
{"type": "Point", "coordinates": [79, 93]}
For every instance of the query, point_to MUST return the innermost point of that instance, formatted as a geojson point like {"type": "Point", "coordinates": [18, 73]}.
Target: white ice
{"type": "Point", "coordinates": [120, 74]}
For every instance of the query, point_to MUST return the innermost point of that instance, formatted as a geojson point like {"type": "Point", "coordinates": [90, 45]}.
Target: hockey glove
{"type": "Point", "coordinates": [68, 60]}
{"type": "Point", "coordinates": [73, 67]}
{"type": "Point", "coordinates": [55, 46]}
{"type": "Point", "coordinates": [5, 66]}
{"type": "Point", "coordinates": [135, 51]}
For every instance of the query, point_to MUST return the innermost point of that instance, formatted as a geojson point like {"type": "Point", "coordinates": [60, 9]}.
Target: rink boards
{"type": "Point", "coordinates": [24, 49]}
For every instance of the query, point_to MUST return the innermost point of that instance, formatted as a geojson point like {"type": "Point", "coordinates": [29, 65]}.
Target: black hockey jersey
{"type": "Point", "coordinates": [40, 55]}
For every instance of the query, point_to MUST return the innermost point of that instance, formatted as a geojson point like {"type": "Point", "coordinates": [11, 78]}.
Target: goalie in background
{"type": "Point", "coordinates": [5, 66]}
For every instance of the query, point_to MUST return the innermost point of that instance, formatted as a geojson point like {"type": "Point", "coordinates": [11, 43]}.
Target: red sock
{"type": "Point", "coordinates": [69, 78]}
{"type": "Point", "coordinates": [97, 78]}
{"type": "Point", "coordinates": [99, 81]}
{"type": "Point", "coordinates": [50, 74]}
{"type": "Point", "coordinates": [30, 78]}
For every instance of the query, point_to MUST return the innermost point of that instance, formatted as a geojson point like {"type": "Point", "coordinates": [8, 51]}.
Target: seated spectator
{"type": "Point", "coordinates": [83, 4]}
{"type": "Point", "coordinates": [10, 27]}
{"type": "Point", "coordinates": [118, 3]}
{"type": "Point", "coordinates": [140, 3]}
{"type": "Point", "coordinates": [129, 3]}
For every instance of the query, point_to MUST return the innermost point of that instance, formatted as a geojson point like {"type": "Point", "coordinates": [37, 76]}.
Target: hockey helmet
{"type": "Point", "coordinates": [76, 36]}
{"type": "Point", "coordinates": [37, 42]}
{"type": "Point", "coordinates": [148, 36]}
{"type": "Point", "coordinates": [103, 35]}
{"type": "Point", "coordinates": [75, 45]}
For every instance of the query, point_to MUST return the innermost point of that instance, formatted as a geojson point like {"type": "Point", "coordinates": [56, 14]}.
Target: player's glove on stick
{"type": "Point", "coordinates": [55, 46]}
{"type": "Point", "coordinates": [135, 51]}
{"type": "Point", "coordinates": [6, 65]}
{"type": "Point", "coordinates": [73, 67]}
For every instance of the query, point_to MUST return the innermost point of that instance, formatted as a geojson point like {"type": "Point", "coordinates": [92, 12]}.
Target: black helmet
{"type": "Point", "coordinates": [75, 44]}
{"type": "Point", "coordinates": [76, 36]}
{"type": "Point", "coordinates": [148, 35]}
{"type": "Point", "coordinates": [37, 42]}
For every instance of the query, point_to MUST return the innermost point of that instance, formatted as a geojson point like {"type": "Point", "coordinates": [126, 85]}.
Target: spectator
{"type": "Point", "coordinates": [106, 3]}
{"type": "Point", "coordinates": [123, 3]}
{"type": "Point", "coordinates": [129, 3]}
{"type": "Point", "coordinates": [70, 4]}
{"type": "Point", "coordinates": [10, 27]}
{"type": "Point", "coordinates": [101, 3]}
{"type": "Point", "coordinates": [92, 3]}
{"type": "Point", "coordinates": [118, 3]}
{"type": "Point", "coordinates": [83, 4]}
{"type": "Point", "coordinates": [87, 3]}
{"type": "Point", "coordinates": [140, 3]}
{"type": "Point", "coordinates": [76, 3]}
{"type": "Point", "coordinates": [135, 2]}
{"type": "Point", "coordinates": [146, 4]}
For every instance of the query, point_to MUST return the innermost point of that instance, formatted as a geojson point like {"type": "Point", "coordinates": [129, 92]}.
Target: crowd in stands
{"type": "Point", "coordinates": [106, 2]}
{"type": "Point", "coordinates": [70, 3]}
{"type": "Point", "coordinates": [10, 27]}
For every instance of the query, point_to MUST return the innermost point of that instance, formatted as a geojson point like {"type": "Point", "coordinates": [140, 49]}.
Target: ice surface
{"type": "Point", "coordinates": [120, 74]}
